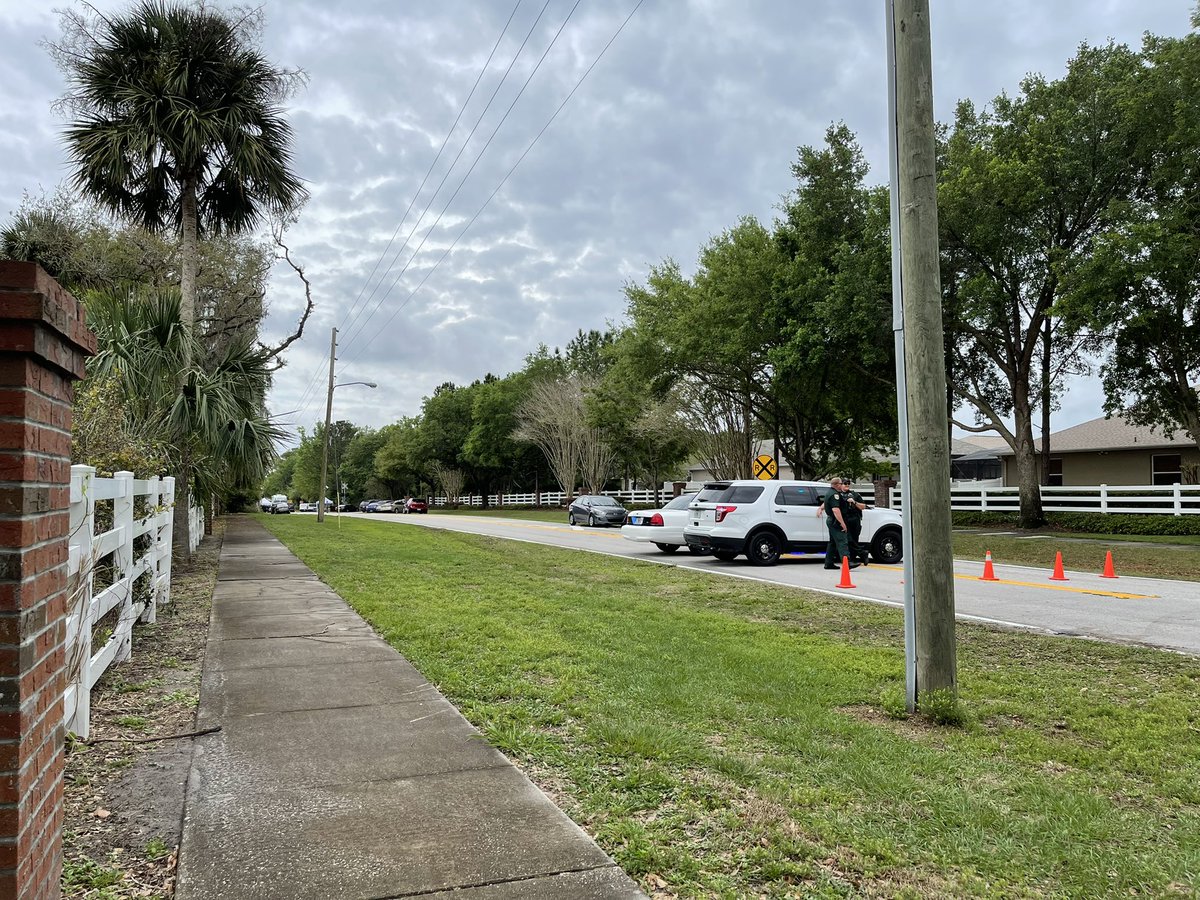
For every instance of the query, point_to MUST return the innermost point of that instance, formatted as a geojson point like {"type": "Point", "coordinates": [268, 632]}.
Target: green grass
{"type": "Point", "coordinates": [737, 739]}
{"type": "Point", "coordinates": [1130, 557]}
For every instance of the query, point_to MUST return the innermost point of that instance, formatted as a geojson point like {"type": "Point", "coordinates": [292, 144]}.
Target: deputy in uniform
{"type": "Point", "coordinates": [835, 519]}
{"type": "Point", "coordinates": [854, 506]}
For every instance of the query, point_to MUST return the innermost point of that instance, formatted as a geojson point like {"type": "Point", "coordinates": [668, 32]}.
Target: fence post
{"type": "Point", "coordinates": [1178, 496]}
{"type": "Point", "coordinates": [166, 534]}
{"type": "Point", "coordinates": [983, 499]}
{"type": "Point", "coordinates": [1104, 499]}
{"type": "Point", "coordinates": [153, 549]}
{"type": "Point", "coordinates": [79, 601]}
{"type": "Point", "coordinates": [123, 561]}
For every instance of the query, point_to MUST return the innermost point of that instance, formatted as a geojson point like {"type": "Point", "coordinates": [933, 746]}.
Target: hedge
{"type": "Point", "coordinates": [1090, 523]}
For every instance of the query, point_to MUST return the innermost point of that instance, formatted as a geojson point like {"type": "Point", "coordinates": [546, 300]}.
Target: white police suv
{"type": "Point", "coordinates": [764, 519]}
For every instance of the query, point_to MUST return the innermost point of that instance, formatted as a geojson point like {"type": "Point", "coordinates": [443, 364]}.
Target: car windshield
{"type": "Point", "coordinates": [680, 502]}
{"type": "Point", "coordinates": [604, 501]}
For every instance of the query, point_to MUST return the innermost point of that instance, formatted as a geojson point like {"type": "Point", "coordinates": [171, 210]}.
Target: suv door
{"type": "Point", "coordinates": [794, 508]}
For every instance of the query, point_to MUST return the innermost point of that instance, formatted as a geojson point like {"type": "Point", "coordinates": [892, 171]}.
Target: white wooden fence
{"type": "Point", "coordinates": [113, 550]}
{"type": "Point", "coordinates": [558, 498]}
{"type": "Point", "coordinates": [1141, 499]}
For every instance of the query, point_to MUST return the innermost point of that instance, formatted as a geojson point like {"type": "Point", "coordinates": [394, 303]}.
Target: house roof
{"type": "Point", "coordinates": [1109, 434]}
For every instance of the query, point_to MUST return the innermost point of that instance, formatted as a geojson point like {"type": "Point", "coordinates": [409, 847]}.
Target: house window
{"type": "Point", "coordinates": [1054, 473]}
{"type": "Point", "coordinates": [1166, 468]}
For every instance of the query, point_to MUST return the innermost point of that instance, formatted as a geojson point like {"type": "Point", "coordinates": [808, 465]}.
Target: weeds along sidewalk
{"type": "Point", "coordinates": [124, 800]}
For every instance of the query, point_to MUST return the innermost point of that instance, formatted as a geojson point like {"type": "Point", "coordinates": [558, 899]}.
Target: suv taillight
{"type": "Point", "coordinates": [655, 519]}
{"type": "Point", "coordinates": [723, 511]}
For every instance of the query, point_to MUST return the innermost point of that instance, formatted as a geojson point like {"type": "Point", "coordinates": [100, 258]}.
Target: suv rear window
{"type": "Point", "coordinates": [741, 493]}
{"type": "Point", "coordinates": [710, 493]}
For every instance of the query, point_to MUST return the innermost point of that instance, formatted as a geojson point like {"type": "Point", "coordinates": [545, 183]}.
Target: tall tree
{"type": "Point", "coordinates": [833, 370]}
{"type": "Point", "coordinates": [1026, 188]}
{"type": "Point", "coordinates": [178, 124]}
{"type": "Point", "coordinates": [1140, 288]}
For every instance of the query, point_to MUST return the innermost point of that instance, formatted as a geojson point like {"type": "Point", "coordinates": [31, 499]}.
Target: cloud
{"type": "Point", "coordinates": [690, 120]}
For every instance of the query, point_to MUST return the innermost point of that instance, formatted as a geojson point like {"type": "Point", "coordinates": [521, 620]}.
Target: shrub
{"type": "Point", "coordinates": [1088, 522]}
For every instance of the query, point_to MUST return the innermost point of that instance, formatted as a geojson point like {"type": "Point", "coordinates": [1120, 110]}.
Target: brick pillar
{"type": "Point", "coordinates": [43, 345]}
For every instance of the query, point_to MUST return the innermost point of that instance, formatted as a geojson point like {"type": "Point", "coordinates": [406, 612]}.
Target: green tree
{"type": "Point", "coordinates": [1140, 287]}
{"type": "Point", "coordinates": [1026, 188]}
{"type": "Point", "coordinates": [833, 399]}
{"type": "Point", "coordinates": [213, 416]}
{"type": "Point", "coordinates": [402, 461]}
{"type": "Point", "coordinates": [178, 123]}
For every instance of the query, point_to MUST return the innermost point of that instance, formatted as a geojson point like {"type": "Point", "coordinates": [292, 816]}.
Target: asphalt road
{"type": "Point", "coordinates": [1147, 611]}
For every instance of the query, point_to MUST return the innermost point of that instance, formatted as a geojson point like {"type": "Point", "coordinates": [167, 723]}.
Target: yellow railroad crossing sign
{"type": "Point", "coordinates": [764, 467]}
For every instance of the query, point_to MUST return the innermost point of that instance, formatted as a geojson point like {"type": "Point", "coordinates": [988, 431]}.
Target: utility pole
{"type": "Point", "coordinates": [328, 416]}
{"type": "Point", "coordinates": [920, 362]}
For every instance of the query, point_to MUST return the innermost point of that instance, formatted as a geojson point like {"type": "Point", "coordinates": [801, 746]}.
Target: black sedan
{"type": "Point", "coordinates": [596, 510]}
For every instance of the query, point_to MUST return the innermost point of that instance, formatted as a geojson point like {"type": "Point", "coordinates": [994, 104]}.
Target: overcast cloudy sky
{"type": "Point", "coordinates": [691, 118]}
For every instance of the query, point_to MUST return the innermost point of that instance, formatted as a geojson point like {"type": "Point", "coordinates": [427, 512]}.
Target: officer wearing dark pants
{"type": "Point", "coordinates": [835, 519]}
{"type": "Point", "coordinates": [853, 515]}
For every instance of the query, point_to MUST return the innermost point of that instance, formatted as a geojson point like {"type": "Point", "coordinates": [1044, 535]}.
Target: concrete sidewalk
{"type": "Point", "coordinates": [340, 772]}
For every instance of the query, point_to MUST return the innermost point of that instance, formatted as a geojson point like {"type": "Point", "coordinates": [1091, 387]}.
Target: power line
{"type": "Point", "coordinates": [450, 169]}
{"type": "Point", "coordinates": [503, 180]}
{"type": "Point", "coordinates": [308, 391]}
{"type": "Point", "coordinates": [350, 340]}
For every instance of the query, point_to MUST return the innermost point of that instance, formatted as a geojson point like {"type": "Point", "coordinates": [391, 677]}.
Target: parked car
{"type": "Point", "coordinates": [596, 510]}
{"type": "Point", "coordinates": [764, 519]}
{"type": "Point", "coordinates": [371, 505]}
{"type": "Point", "coordinates": [661, 527]}
{"type": "Point", "coordinates": [415, 505]}
{"type": "Point", "coordinates": [347, 507]}
{"type": "Point", "coordinates": [280, 504]}
{"type": "Point", "coordinates": [382, 506]}
{"type": "Point", "coordinates": [305, 506]}
{"type": "Point", "coordinates": [265, 504]}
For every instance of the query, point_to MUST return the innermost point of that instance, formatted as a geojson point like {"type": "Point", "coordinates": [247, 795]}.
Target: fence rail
{"type": "Point", "coordinates": [111, 555]}
{"type": "Point", "coordinates": [559, 498]}
{"type": "Point", "coordinates": [1140, 499]}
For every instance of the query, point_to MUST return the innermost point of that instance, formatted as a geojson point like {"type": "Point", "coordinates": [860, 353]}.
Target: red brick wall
{"type": "Point", "coordinates": [43, 344]}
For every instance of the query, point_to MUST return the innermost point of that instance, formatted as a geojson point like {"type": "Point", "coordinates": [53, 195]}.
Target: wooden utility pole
{"type": "Point", "coordinates": [328, 416]}
{"type": "Point", "coordinates": [926, 483]}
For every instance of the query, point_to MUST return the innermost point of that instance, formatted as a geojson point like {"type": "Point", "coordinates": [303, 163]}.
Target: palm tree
{"type": "Point", "coordinates": [178, 124]}
{"type": "Point", "coordinates": [212, 415]}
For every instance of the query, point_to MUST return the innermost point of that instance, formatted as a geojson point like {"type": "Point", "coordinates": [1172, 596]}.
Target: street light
{"type": "Point", "coordinates": [325, 442]}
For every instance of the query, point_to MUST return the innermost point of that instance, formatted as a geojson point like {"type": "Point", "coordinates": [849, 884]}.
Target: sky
{"type": "Point", "coordinates": [690, 119]}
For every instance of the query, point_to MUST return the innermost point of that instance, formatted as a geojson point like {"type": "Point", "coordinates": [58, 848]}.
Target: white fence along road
{"type": "Point", "coordinates": [111, 554]}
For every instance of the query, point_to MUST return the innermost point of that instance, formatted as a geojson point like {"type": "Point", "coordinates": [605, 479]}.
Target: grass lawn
{"type": "Point", "coordinates": [1130, 557]}
{"type": "Point", "coordinates": [726, 738]}
{"type": "Point", "coordinates": [530, 515]}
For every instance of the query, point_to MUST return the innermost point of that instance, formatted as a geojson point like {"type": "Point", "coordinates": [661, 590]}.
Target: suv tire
{"type": "Point", "coordinates": [763, 548]}
{"type": "Point", "coordinates": [887, 546]}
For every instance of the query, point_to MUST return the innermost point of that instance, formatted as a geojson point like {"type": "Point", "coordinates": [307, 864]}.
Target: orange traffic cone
{"type": "Point", "coordinates": [989, 574]}
{"type": "Point", "coordinates": [1109, 571]}
{"type": "Point", "coordinates": [1058, 568]}
{"type": "Point", "coordinates": [846, 582]}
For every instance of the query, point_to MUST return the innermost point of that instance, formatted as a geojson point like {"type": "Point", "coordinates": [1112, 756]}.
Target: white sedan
{"type": "Point", "coordinates": [661, 527]}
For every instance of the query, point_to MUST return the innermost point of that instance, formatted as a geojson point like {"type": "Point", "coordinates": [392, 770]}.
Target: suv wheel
{"type": "Point", "coordinates": [591, 521]}
{"type": "Point", "coordinates": [887, 546]}
{"type": "Point", "coordinates": [667, 548]}
{"type": "Point", "coordinates": [571, 519]}
{"type": "Point", "coordinates": [763, 548]}
{"type": "Point", "coordinates": [726, 555]}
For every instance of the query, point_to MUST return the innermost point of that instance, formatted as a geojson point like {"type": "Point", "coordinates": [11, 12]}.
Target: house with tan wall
{"type": "Point", "coordinates": [1114, 452]}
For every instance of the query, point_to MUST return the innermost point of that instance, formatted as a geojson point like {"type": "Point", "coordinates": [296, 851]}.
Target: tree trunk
{"type": "Point", "coordinates": [189, 254]}
{"type": "Point", "coordinates": [1045, 454]}
{"type": "Point", "coordinates": [1026, 460]}
{"type": "Point", "coordinates": [181, 549]}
